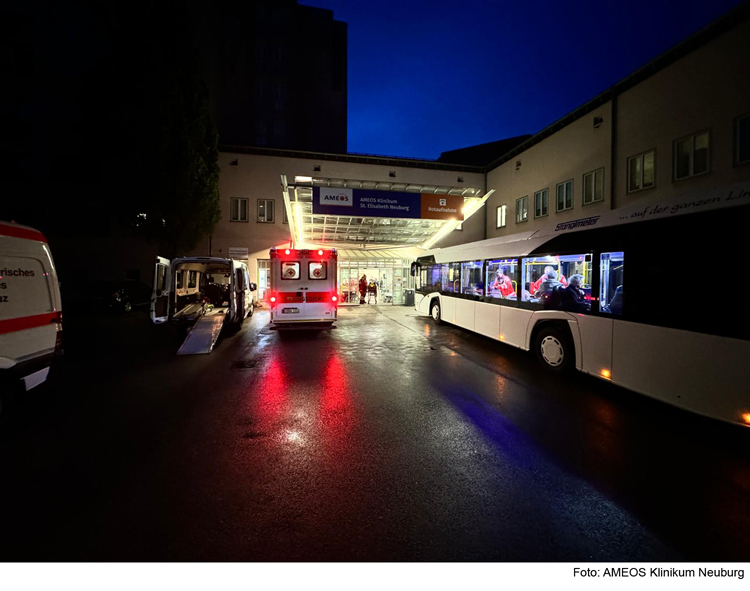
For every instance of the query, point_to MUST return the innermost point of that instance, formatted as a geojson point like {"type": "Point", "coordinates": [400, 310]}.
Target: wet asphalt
{"type": "Point", "coordinates": [386, 439]}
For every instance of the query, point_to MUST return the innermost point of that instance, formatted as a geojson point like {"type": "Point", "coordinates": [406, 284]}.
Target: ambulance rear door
{"type": "Point", "coordinates": [162, 287]}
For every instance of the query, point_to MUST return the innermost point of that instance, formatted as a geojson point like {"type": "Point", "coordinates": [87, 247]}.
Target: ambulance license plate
{"type": "Point", "coordinates": [290, 311]}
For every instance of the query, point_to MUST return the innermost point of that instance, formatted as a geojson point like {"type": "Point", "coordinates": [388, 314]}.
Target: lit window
{"type": "Point", "coordinates": [502, 279]}
{"type": "Point", "coordinates": [546, 282]}
{"type": "Point", "coordinates": [565, 195]}
{"type": "Point", "coordinates": [266, 210]}
{"type": "Point", "coordinates": [593, 186]}
{"type": "Point", "coordinates": [238, 210]}
{"type": "Point", "coordinates": [501, 209]}
{"type": "Point", "coordinates": [471, 278]}
{"type": "Point", "coordinates": [641, 171]}
{"type": "Point", "coordinates": [691, 156]}
{"type": "Point", "coordinates": [289, 270]}
{"type": "Point", "coordinates": [541, 203]}
{"type": "Point", "coordinates": [610, 290]}
{"type": "Point", "coordinates": [316, 270]}
{"type": "Point", "coordinates": [522, 209]}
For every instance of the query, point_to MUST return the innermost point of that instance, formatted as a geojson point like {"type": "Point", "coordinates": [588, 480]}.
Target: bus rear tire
{"type": "Point", "coordinates": [435, 312]}
{"type": "Point", "coordinates": [554, 349]}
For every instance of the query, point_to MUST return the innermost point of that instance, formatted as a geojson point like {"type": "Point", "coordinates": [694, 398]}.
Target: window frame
{"type": "Point", "coordinates": [737, 161]}
{"type": "Point", "coordinates": [323, 266]}
{"type": "Point", "coordinates": [627, 172]}
{"type": "Point", "coordinates": [299, 271]}
{"type": "Point", "coordinates": [572, 196]}
{"type": "Point", "coordinates": [525, 201]}
{"type": "Point", "coordinates": [593, 187]}
{"type": "Point", "coordinates": [239, 209]}
{"type": "Point", "coordinates": [273, 214]}
{"type": "Point", "coordinates": [692, 159]}
{"type": "Point", "coordinates": [539, 192]}
{"type": "Point", "coordinates": [504, 208]}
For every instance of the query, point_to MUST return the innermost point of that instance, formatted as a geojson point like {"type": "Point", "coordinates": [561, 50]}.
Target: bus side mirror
{"type": "Point", "coordinates": [253, 287]}
{"type": "Point", "coordinates": [414, 269]}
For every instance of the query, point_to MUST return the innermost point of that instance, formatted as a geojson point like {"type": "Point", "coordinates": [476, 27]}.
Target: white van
{"type": "Point", "coordinates": [187, 289]}
{"type": "Point", "coordinates": [30, 308]}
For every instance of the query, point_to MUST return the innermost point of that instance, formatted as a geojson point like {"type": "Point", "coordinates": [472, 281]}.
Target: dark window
{"type": "Point", "coordinates": [541, 203]}
{"type": "Point", "coordinates": [691, 156]}
{"type": "Point", "coordinates": [611, 288]}
{"type": "Point", "coordinates": [565, 196]}
{"type": "Point", "coordinates": [238, 210]}
{"type": "Point", "coordinates": [593, 186]}
{"type": "Point", "coordinates": [641, 171]}
{"type": "Point", "coordinates": [522, 209]}
{"type": "Point", "coordinates": [266, 210]}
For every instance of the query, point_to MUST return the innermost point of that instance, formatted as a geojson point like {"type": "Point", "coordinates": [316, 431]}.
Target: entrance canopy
{"type": "Point", "coordinates": [367, 215]}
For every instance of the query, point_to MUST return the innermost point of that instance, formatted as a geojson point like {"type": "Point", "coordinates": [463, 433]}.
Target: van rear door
{"type": "Point", "coordinates": [162, 288]}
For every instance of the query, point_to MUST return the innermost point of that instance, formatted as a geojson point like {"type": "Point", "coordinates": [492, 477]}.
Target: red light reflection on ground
{"type": "Point", "coordinates": [336, 399]}
{"type": "Point", "coordinates": [272, 395]}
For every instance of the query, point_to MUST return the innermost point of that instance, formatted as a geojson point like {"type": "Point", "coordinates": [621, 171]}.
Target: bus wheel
{"type": "Point", "coordinates": [435, 312]}
{"type": "Point", "coordinates": [554, 349]}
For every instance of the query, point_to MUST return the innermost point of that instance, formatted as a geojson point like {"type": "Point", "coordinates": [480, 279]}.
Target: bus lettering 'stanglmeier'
{"type": "Point", "coordinates": [303, 287]}
{"type": "Point", "coordinates": [652, 298]}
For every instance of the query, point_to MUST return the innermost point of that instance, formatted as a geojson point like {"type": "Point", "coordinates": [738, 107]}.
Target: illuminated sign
{"type": "Point", "coordinates": [387, 204]}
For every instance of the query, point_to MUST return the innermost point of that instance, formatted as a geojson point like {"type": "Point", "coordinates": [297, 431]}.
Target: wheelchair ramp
{"type": "Point", "coordinates": [203, 336]}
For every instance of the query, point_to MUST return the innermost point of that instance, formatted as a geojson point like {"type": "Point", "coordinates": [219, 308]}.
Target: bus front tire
{"type": "Point", "coordinates": [435, 312]}
{"type": "Point", "coordinates": [554, 349]}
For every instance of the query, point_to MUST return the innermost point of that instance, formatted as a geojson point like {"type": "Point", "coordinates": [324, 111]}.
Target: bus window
{"type": "Point", "coordinates": [316, 270]}
{"type": "Point", "coordinates": [451, 277]}
{"type": "Point", "coordinates": [502, 279]}
{"type": "Point", "coordinates": [610, 291]}
{"type": "Point", "coordinates": [542, 276]}
{"type": "Point", "coordinates": [289, 270]}
{"type": "Point", "coordinates": [471, 278]}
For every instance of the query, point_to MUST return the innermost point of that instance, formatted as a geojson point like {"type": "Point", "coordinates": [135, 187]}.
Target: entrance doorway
{"type": "Point", "coordinates": [390, 276]}
{"type": "Point", "coordinates": [264, 278]}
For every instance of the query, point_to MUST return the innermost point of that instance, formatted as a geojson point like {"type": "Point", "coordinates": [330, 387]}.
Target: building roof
{"type": "Point", "coordinates": [482, 154]}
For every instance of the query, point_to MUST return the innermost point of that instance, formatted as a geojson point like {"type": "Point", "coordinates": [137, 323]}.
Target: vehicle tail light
{"type": "Point", "coordinates": [287, 251]}
{"type": "Point", "coordinates": [273, 299]}
{"type": "Point", "coordinates": [320, 253]}
{"type": "Point", "coordinates": [334, 298]}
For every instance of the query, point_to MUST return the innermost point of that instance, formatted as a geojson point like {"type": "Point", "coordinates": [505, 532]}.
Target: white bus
{"type": "Point", "coordinates": [304, 290]}
{"type": "Point", "coordinates": [662, 309]}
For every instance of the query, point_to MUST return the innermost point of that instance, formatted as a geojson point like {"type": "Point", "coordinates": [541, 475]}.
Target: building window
{"type": "Point", "coordinates": [691, 156]}
{"type": "Point", "coordinates": [565, 195]}
{"type": "Point", "coordinates": [593, 186]}
{"type": "Point", "coordinates": [641, 171]}
{"type": "Point", "coordinates": [265, 211]}
{"type": "Point", "coordinates": [501, 215]}
{"type": "Point", "coordinates": [742, 140]}
{"type": "Point", "coordinates": [541, 203]}
{"type": "Point", "coordinates": [522, 209]}
{"type": "Point", "coordinates": [238, 209]}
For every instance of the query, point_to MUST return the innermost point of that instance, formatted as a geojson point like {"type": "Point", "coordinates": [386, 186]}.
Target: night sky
{"type": "Point", "coordinates": [426, 76]}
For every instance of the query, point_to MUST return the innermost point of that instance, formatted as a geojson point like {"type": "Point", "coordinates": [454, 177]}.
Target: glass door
{"type": "Point", "coordinates": [264, 278]}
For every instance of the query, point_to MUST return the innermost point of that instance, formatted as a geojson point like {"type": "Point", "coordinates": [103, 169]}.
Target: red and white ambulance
{"type": "Point", "coordinates": [30, 309]}
{"type": "Point", "coordinates": [304, 288]}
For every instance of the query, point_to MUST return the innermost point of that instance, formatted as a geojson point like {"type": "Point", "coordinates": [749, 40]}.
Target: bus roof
{"type": "Point", "coordinates": [524, 243]}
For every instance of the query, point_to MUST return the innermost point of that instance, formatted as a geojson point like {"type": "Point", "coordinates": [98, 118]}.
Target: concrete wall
{"type": "Point", "coordinates": [570, 153]}
{"type": "Point", "coordinates": [705, 90]}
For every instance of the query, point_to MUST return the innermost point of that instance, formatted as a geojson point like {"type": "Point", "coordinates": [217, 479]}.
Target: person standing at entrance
{"type": "Point", "coordinates": [372, 291]}
{"type": "Point", "coordinates": [362, 289]}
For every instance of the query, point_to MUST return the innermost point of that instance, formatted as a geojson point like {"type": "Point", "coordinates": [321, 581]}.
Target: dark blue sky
{"type": "Point", "coordinates": [426, 76]}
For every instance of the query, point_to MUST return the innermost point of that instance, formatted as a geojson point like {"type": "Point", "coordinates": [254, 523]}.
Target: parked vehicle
{"type": "Point", "coordinates": [119, 297]}
{"type": "Point", "coordinates": [30, 309]}
{"type": "Point", "coordinates": [304, 288]}
{"type": "Point", "coordinates": [186, 289]}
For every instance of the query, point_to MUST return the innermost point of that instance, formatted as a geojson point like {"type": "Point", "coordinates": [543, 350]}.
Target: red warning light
{"type": "Point", "coordinates": [287, 251]}
{"type": "Point", "coordinates": [273, 299]}
{"type": "Point", "coordinates": [320, 253]}
{"type": "Point", "coordinates": [334, 298]}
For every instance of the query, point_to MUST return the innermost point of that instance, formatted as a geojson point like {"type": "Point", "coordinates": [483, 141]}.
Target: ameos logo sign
{"type": "Point", "coordinates": [340, 197]}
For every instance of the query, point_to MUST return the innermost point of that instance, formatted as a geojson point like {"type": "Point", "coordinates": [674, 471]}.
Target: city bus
{"type": "Point", "coordinates": [657, 304]}
{"type": "Point", "coordinates": [304, 291]}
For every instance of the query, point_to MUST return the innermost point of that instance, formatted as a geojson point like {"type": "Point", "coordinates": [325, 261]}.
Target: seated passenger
{"type": "Point", "coordinates": [573, 298]}
{"type": "Point", "coordinates": [548, 284]}
{"type": "Point", "coordinates": [615, 305]}
{"type": "Point", "coordinates": [538, 283]}
{"type": "Point", "coordinates": [525, 292]}
{"type": "Point", "coordinates": [503, 285]}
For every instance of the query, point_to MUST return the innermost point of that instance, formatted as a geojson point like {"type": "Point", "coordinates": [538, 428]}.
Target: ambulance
{"type": "Point", "coordinates": [30, 309]}
{"type": "Point", "coordinates": [304, 289]}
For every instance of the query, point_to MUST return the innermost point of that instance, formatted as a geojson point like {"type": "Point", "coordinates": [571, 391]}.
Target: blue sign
{"type": "Point", "coordinates": [366, 203]}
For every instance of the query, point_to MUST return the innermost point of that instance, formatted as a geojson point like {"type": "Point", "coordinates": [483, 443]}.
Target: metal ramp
{"type": "Point", "coordinates": [203, 336]}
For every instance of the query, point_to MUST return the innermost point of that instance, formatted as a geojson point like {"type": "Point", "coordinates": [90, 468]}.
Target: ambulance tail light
{"type": "Point", "coordinates": [273, 299]}
{"type": "Point", "coordinates": [334, 298]}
